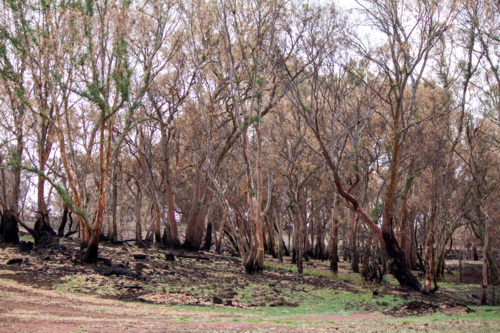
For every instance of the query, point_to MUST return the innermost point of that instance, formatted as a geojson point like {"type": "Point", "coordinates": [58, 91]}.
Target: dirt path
{"type": "Point", "coordinates": [27, 309]}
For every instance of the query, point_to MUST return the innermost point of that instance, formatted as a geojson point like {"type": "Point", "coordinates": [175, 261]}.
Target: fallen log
{"type": "Point", "coordinates": [192, 257]}
{"type": "Point", "coordinates": [107, 271]}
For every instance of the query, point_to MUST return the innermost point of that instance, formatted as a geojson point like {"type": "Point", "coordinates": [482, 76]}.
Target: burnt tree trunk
{"type": "Point", "coordinates": [9, 231]}
{"type": "Point", "coordinates": [397, 262]}
{"type": "Point", "coordinates": [64, 220]}
{"type": "Point", "coordinates": [208, 238]}
{"type": "Point", "coordinates": [334, 238]}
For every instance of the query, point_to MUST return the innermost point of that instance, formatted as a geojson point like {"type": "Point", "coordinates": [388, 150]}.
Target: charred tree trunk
{"type": "Point", "coordinates": [64, 220]}
{"type": "Point", "coordinates": [70, 232]}
{"type": "Point", "coordinates": [42, 224]}
{"type": "Point", "coordinates": [473, 255]}
{"type": "Point", "coordinates": [398, 266]}
{"type": "Point", "coordinates": [165, 240]}
{"type": "Point", "coordinates": [208, 238]}
{"type": "Point", "coordinates": [9, 231]}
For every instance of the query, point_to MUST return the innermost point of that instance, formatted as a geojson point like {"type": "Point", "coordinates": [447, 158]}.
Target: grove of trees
{"type": "Point", "coordinates": [279, 126]}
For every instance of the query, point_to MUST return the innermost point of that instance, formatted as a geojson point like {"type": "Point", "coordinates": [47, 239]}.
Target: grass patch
{"type": "Point", "coordinates": [292, 269]}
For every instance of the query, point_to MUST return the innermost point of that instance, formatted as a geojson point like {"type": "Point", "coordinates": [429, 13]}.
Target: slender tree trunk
{"type": "Point", "coordinates": [138, 224]}
{"type": "Point", "coordinates": [221, 233]}
{"type": "Point", "coordinates": [354, 250]}
{"type": "Point", "coordinates": [113, 234]}
{"type": "Point", "coordinates": [270, 232]}
{"type": "Point", "coordinates": [486, 243]}
{"type": "Point", "coordinates": [345, 243]}
{"type": "Point", "coordinates": [298, 241]}
{"type": "Point", "coordinates": [334, 237]}
{"type": "Point", "coordinates": [366, 257]}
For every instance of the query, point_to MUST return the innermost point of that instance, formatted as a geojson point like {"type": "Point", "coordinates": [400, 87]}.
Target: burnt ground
{"type": "Point", "coordinates": [53, 291]}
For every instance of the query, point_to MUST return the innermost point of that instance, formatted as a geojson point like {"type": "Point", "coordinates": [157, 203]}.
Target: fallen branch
{"type": "Point", "coordinates": [107, 271]}
{"type": "Point", "coordinates": [192, 257]}
{"type": "Point", "coordinates": [69, 233]}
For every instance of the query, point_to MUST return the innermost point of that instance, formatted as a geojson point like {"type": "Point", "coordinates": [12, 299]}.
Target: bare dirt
{"type": "Point", "coordinates": [28, 309]}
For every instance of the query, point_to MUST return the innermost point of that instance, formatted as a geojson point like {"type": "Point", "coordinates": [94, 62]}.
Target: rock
{"type": "Point", "coordinates": [25, 246]}
{"type": "Point", "coordinates": [139, 256]}
{"type": "Point", "coordinates": [277, 303]}
{"type": "Point", "coordinates": [294, 304]}
{"type": "Point", "coordinates": [217, 300]}
{"type": "Point", "coordinates": [14, 261]}
{"type": "Point", "coordinates": [227, 293]}
{"type": "Point", "coordinates": [169, 257]}
{"type": "Point", "coordinates": [228, 302]}
{"type": "Point", "coordinates": [270, 298]}
{"type": "Point", "coordinates": [140, 266]}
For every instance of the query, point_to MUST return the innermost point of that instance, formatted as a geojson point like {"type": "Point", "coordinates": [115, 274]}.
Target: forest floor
{"type": "Point", "coordinates": [52, 291]}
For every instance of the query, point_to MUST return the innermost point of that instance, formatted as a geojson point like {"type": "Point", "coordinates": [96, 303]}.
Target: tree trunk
{"type": "Point", "coordinates": [486, 243]}
{"type": "Point", "coordinates": [334, 237]}
{"type": "Point", "coordinates": [60, 232]}
{"type": "Point", "coordinates": [366, 257]}
{"type": "Point", "coordinates": [221, 233]}
{"type": "Point", "coordinates": [208, 238]}
{"type": "Point", "coordinates": [298, 241]}
{"type": "Point", "coordinates": [9, 231]}
{"type": "Point", "coordinates": [280, 236]}
{"type": "Point", "coordinates": [90, 256]}
{"type": "Point", "coordinates": [354, 250]}
{"type": "Point", "coordinates": [270, 232]}
{"type": "Point", "coordinates": [83, 234]}
{"type": "Point", "coordinates": [345, 242]}
{"type": "Point", "coordinates": [138, 226]}
{"type": "Point", "coordinates": [195, 228]}
{"type": "Point", "coordinates": [113, 234]}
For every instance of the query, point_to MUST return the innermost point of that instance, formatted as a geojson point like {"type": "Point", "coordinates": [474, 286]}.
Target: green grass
{"type": "Point", "coordinates": [316, 301]}
{"type": "Point", "coordinates": [25, 238]}
{"type": "Point", "coordinates": [328, 275]}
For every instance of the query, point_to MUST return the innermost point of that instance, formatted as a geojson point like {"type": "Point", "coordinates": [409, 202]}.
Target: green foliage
{"type": "Point", "coordinates": [375, 212]}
